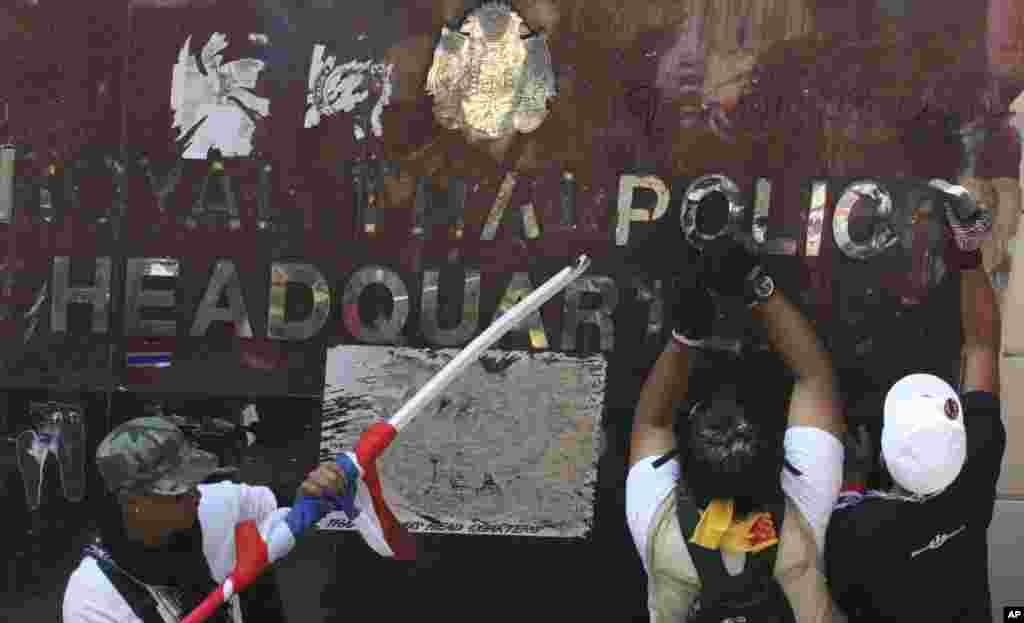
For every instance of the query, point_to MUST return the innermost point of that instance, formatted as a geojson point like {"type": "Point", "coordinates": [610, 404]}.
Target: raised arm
{"type": "Point", "coordinates": [814, 401]}
{"type": "Point", "coordinates": [668, 382]}
{"type": "Point", "coordinates": [979, 319]}
{"type": "Point", "coordinates": [737, 271]}
{"type": "Point", "coordinates": [969, 226]}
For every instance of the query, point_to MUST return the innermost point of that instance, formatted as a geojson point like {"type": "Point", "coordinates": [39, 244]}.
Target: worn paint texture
{"type": "Point", "coordinates": [785, 90]}
{"type": "Point", "coordinates": [513, 442]}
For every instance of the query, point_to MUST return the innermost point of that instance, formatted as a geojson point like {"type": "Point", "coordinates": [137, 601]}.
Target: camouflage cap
{"type": "Point", "coordinates": [151, 456]}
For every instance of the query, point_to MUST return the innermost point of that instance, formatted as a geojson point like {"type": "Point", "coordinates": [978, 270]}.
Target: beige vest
{"type": "Point", "coordinates": [672, 578]}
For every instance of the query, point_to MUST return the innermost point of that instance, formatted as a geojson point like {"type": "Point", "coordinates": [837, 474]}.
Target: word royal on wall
{"type": "Point", "coordinates": [577, 310]}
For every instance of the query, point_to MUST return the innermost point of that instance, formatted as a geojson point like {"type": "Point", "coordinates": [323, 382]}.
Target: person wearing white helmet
{"type": "Point", "coordinates": [918, 550]}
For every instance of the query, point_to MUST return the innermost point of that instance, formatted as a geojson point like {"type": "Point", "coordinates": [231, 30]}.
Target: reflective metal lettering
{"type": "Point", "coordinates": [816, 218]}
{"type": "Point", "coordinates": [575, 315]}
{"type": "Point", "coordinates": [651, 293]}
{"type": "Point", "coordinates": [97, 295]}
{"type": "Point", "coordinates": [223, 281]}
{"type": "Point", "coordinates": [266, 211]}
{"type": "Point", "coordinates": [457, 206]}
{"type": "Point", "coordinates": [8, 155]}
{"type": "Point", "coordinates": [430, 313]}
{"type": "Point", "coordinates": [365, 186]}
{"type": "Point", "coordinates": [626, 214]}
{"type": "Point", "coordinates": [422, 209]}
{"type": "Point", "coordinates": [162, 186]}
{"type": "Point", "coordinates": [138, 297]}
{"type": "Point", "coordinates": [217, 196]}
{"type": "Point", "coordinates": [279, 327]}
{"type": "Point", "coordinates": [762, 215]}
{"type": "Point", "coordinates": [518, 289]}
{"type": "Point", "coordinates": [870, 197]}
{"type": "Point", "coordinates": [384, 329]}
{"type": "Point", "coordinates": [694, 218]}
{"type": "Point", "coordinates": [498, 209]}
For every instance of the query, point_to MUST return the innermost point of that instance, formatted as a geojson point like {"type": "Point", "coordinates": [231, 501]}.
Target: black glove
{"type": "Point", "coordinates": [726, 266]}
{"type": "Point", "coordinates": [693, 311]}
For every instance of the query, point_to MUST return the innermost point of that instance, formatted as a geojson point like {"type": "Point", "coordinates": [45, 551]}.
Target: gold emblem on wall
{"type": "Point", "coordinates": [493, 76]}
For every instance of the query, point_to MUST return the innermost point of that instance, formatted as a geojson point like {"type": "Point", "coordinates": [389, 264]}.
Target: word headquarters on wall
{"type": "Point", "coordinates": [589, 301]}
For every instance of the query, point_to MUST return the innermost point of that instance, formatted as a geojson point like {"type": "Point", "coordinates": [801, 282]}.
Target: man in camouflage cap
{"type": "Point", "coordinates": [151, 455]}
{"type": "Point", "coordinates": [154, 471]}
{"type": "Point", "coordinates": [166, 540]}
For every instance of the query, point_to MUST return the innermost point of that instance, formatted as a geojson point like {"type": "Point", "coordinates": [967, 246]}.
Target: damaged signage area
{"type": "Point", "coordinates": [510, 448]}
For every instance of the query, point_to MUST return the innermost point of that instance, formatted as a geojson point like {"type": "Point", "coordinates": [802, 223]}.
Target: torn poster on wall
{"type": "Point", "coordinates": [510, 448]}
{"type": "Point", "coordinates": [218, 98]}
{"type": "Point", "coordinates": [348, 87]}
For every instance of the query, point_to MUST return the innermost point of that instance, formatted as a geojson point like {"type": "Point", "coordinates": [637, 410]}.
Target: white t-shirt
{"type": "Point", "coordinates": [812, 451]}
{"type": "Point", "coordinates": [91, 598]}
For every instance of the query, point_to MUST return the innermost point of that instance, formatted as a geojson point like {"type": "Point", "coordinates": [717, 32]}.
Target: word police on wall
{"type": "Point", "coordinates": [710, 206]}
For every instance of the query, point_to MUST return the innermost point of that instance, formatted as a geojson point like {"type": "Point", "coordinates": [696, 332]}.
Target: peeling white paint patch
{"type": "Point", "coordinates": [510, 447]}
{"type": "Point", "coordinates": [362, 36]}
{"type": "Point", "coordinates": [224, 97]}
{"type": "Point", "coordinates": [259, 38]}
{"type": "Point", "coordinates": [347, 88]}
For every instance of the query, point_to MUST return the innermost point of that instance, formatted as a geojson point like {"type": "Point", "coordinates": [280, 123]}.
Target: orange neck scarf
{"type": "Point", "coordinates": [717, 530]}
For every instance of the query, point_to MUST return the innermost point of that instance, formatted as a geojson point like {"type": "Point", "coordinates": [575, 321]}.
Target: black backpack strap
{"type": "Point", "coordinates": [138, 598]}
{"type": "Point", "coordinates": [716, 584]}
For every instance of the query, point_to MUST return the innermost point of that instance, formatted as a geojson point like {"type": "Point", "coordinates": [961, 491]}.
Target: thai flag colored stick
{"type": "Point", "coordinates": [363, 500]}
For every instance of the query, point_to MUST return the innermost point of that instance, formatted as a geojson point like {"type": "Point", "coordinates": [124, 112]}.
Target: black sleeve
{"type": "Point", "coordinates": [842, 562]}
{"type": "Point", "coordinates": [262, 600]}
{"type": "Point", "coordinates": [986, 440]}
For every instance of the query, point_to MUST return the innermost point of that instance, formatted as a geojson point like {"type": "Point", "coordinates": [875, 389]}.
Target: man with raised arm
{"type": "Point", "coordinates": [919, 550]}
{"type": "Point", "coordinates": [708, 487]}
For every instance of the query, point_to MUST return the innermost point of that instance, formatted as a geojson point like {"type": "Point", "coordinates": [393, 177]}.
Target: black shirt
{"type": "Point", "coordinates": [893, 560]}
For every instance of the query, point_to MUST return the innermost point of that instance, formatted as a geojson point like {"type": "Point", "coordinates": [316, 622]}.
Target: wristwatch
{"type": "Point", "coordinates": [761, 287]}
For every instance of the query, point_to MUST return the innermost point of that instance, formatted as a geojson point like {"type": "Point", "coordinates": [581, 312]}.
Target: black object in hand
{"type": "Point", "coordinates": [693, 312]}
{"type": "Point", "coordinates": [725, 266]}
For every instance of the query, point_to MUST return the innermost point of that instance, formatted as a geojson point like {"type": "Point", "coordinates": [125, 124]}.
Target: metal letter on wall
{"type": "Point", "coordinates": [816, 218]}
{"type": "Point", "coordinates": [699, 190]}
{"type": "Point", "coordinates": [278, 326]}
{"type": "Point", "coordinates": [628, 184]}
{"type": "Point", "coordinates": [224, 279]}
{"type": "Point", "coordinates": [518, 289]}
{"type": "Point", "coordinates": [508, 184]}
{"type": "Point", "coordinates": [573, 316]}
{"type": "Point", "coordinates": [8, 155]}
{"type": "Point", "coordinates": [431, 310]}
{"type": "Point", "coordinates": [422, 209]}
{"type": "Point", "coordinates": [217, 195]}
{"type": "Point", "coordinates": [759, 227]}
{"type": "Point", "coordinates": [651, 293]}
{"type": "Point", "coordinates": [365, 187]}
{"type": "Point", "coordinates": [879, 201]}
{"type": "Point", "coordinates": [162, 186]}
{"type": "Point", "coordinates": [384, 330]}
{"type": "Point", "coordinates": [137, 297]}
{"type": "Point", "coordinates": [97, 295]}
{"type": "Point", "coordinates": [457, 205]}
